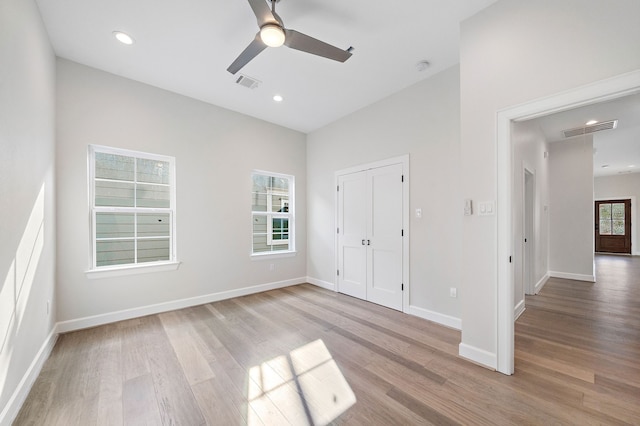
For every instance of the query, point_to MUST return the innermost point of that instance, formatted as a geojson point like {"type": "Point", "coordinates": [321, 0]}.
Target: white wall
{"type": "Point", "coordinates": [422, 121]}
{"type": "Point", "coordinates": [571, 242]}
{"type": "Point", "coordinates": [529, 148]}
{"type": "Point", "coordinates": [511, 53]}
{"type": "Point", "coordinates": [622, 186]}
{"type": "Point", "coordinates": [27, 193]}
{"type": "Point", "coordinates": [215, 151]}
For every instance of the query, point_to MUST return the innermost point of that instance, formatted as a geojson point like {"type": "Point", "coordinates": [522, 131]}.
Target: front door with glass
{"type": "Point", "coordinates": [613, 226]}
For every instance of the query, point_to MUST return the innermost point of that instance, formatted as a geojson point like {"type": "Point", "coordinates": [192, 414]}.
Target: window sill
{"type": "Point", "coordinates": [272, 255]}
{"type": "Point", "coordinates": [120, 271]}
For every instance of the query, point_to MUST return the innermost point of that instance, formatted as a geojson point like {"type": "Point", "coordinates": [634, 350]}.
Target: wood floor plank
{"type": "Point", "coordinates": [423, 410]}
{"type": "Point", "coordinates": [303, 355]}
{"type": "Point", "coordinates": [140, 404]}
{"type": "Point", "coordinates": [221, 409]}
{"type": "Point", "coordinates": [181, 336]}
{"type": "Point", "coordinates": [41, 399]}
{"type": "Point", "coordinates": [134, 355]}
{"type": "Point", "coordinates": [110, 371]}
{"type": "Point", "coordinates": [176, 402]}
{"type": "Point", "coordinates": [384, 345]}
{"type": "Point", "coordinates": [561, 367]}
{"type": "Point", "coordinates": [421, 333]}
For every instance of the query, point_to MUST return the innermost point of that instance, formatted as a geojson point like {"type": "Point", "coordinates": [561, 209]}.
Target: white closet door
{"type": "Point", "coordinates": [384, 236]}
{"type": "Point", "coordinates": [370, 241]}
{"type": "Point", "coordinates": [352, 231]}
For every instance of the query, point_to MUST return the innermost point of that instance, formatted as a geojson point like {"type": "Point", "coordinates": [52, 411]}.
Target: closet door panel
{"type": "Point", "coordinates": [352, 231]}
{"type": "Point", "coordinates": [384, 236]}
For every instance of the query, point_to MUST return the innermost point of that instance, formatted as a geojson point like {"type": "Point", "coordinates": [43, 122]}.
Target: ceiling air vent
{"type": "Point", "coordinates": [247, 81]}
{"type": "Point", "coordinates": [605, 125]}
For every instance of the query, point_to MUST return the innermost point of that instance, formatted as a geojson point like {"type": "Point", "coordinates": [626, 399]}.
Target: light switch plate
{"type": "Point", "coordinates": [468, 207]}
{"type": "Point", "coordinates": [487, 208]}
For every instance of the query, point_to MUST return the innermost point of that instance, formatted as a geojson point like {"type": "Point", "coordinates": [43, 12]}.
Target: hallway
{"type": "Point", "coordinates": [582, 340]}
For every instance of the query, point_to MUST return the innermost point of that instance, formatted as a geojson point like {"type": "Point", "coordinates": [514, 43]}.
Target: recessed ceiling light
{"type": "Point", "coordinates": [123, 37]}
{"type": "Point", "coordinates": [631, 165]}
{"type": "Point", "coordinates": [590, 122]}
{"type": "Point", "coordinates": [278, 98]}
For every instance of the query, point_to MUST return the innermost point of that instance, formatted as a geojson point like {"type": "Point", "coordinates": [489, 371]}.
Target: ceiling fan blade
{"type": "Point", "coordinates": [263, 12]}
{"type": "Point", "coordinates": [305, 43]}
{"type": "Point", "coordinates": [251, 51]}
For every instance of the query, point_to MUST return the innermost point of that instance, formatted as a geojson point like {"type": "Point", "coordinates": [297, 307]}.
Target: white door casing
{"type": "Point", "coordinates": [528, 266]}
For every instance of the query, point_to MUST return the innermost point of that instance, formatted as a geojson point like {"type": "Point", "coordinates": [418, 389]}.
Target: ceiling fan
{"type": "Point", "coordinates": [273, 34]}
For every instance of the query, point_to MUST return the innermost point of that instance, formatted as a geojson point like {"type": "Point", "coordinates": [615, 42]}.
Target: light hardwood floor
{"type": "Point", "coordinates": [304, 355]}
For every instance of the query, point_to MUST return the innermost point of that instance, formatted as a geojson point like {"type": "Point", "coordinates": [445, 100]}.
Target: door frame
{"type": "Point", "coordinates": [404, 161]}
{"type": "Point", "coordinates": [599, 91]}
{"type": "Point", "coordinates": [634, 213]}
{"type": "Point", "coordinates": [529, 224]}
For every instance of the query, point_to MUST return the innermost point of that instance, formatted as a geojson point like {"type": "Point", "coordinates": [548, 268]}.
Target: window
{"type": "Point", "coordinates": [272, 213]}
{"type": "Point", "coordinates": [132, 201]}
{"type": "Point", "coordinates": [612, 219]}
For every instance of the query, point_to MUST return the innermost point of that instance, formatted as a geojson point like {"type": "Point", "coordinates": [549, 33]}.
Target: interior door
{"type": "Point", "coordinates": [370, 235]}
{"type": "Point", "coordinates": [352, 231]}
{"type": "Point", "coordinates": [613, 226]}
{"type": "Point", "coordinates": [384, 236]}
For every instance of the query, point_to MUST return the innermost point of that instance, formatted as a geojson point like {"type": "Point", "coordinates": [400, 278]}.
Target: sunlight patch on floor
{"type": "Point", "coordinates": [304, 387]}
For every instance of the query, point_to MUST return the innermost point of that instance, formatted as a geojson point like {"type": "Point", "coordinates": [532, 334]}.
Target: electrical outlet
{"type": "Point", "coordinates": [272, 266]}
{"type": "Point", "coordinates": [453, 292]}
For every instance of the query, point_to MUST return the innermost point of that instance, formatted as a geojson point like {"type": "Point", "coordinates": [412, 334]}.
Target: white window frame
{"type": "Point", "coordinates": [131, 268]}
{"type": "Point", "coordinates": [270, 215]}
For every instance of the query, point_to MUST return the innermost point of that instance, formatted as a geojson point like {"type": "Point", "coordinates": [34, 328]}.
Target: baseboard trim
{"type": "Point", "coordinates": [19, 396]}
{"type": "Point", "coordinates": [541, 283]}
{"type": "Point", "coordinates": [518, 310]}
{"type": "Point", "coordinates": [321, 283]}
{"type": "Point", "coordinates": [569, 276]}
{"type": "Point", "coordinates": [442, 319]}
{"type": "Point", "coordinates": [96, 320]}
{"type": "Point", "coordinates": [478, 356]}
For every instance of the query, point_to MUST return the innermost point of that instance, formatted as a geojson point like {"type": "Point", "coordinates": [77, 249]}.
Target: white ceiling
{"type": "Point", "coordinates": [186, 46]}
{"type": "Point", "coordinates": [617, 149]}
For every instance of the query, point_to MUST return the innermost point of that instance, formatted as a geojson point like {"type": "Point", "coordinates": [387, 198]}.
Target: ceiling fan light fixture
{"type": "Point", "coordinates": [272, 35]}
